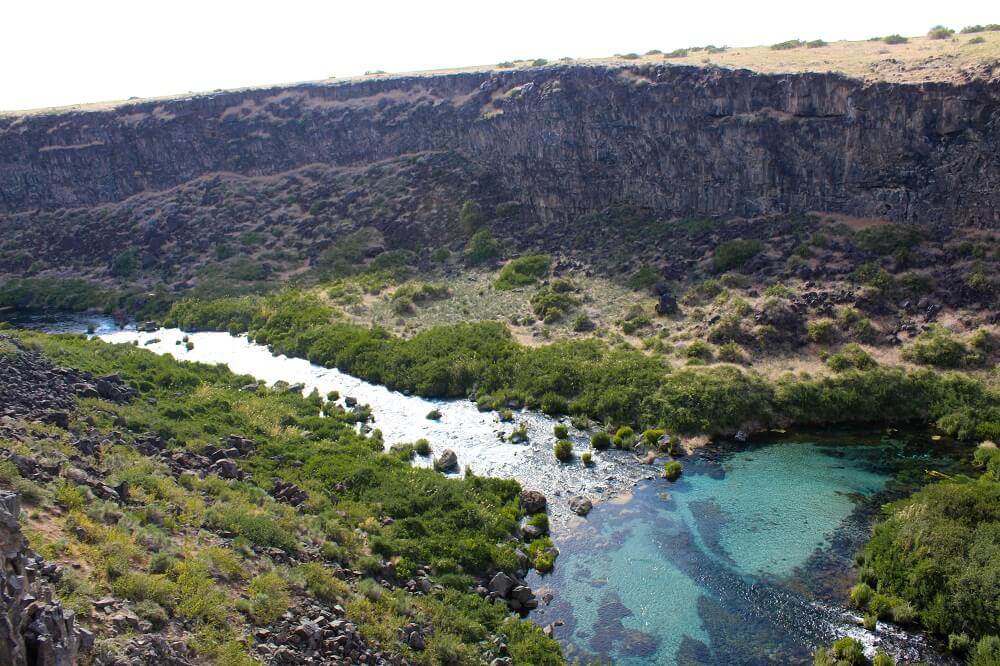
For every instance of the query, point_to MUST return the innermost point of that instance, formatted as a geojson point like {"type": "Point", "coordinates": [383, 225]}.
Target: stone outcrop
{"type": "Point", "coordinates": [563, 140]}
{"type": "Point", "coordinates": [35, 390]}
{"type": "Point", "coordinates": [34, 629]}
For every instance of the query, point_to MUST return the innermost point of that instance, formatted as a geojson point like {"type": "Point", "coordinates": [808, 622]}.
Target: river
{"type": "Point", "coordinates": [746, 559]}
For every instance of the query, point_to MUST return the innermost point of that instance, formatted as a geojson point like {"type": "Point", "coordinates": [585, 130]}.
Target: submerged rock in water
{"type": "Point", "coordinates": [639, 644]}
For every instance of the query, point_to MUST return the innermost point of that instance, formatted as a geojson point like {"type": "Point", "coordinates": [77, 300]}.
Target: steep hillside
{"type": "Point", "coordinates": [564, 140]}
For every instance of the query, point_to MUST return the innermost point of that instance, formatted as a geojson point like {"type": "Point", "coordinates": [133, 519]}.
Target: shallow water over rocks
{"type": "Point", "coordinates": [745, 560]}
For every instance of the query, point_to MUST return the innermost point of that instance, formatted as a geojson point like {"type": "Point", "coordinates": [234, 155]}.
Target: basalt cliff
{"type": "Point", "coordinates": [562, 140]}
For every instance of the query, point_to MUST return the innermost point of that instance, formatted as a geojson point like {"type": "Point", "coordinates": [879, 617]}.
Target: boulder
{"type": "Point", "coordinates": [501, 584]}
{"type": "Point", "coordinates": [581, 506]}
{"type": "Point", "coordinates": [666, 304]}
{"type": "Point", "coordinates": [447, 461]}
{"type": "Point", "coordinates": [533, 501]}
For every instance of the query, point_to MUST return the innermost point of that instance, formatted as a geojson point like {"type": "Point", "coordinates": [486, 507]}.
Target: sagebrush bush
{"type": "Point", "coordinates": [564, 450]}
{"type": "Point", "coordinates": [600, 440]}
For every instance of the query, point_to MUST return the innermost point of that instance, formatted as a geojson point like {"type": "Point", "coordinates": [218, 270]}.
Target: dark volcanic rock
{"type": "Point", "coordinates": [566, 139]}
{"type": "Point", "coordinates": [33, 389]}
{"type": "Point", "coordinates": [34, 630]}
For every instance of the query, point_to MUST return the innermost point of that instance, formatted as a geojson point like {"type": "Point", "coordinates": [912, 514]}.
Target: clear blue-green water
{"type": "Point", "coordinates": [745, 560]}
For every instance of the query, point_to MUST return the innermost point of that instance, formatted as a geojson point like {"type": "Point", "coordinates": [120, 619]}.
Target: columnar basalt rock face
{"type": "Point", "coordinates": [565, 140]}
{"type": "Point", "coordinates": [34, 629]}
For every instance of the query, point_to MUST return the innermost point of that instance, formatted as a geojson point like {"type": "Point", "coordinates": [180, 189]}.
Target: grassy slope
{"type": "Point", "coordinates": [167, 551]}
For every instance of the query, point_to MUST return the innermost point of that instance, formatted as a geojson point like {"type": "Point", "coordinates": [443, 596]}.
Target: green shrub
{"type": "Point", "coordinates": [153, 613]}
{"type": "Point", "coordinates": [644, 279]}
{"type": "Point", "coordinates": [422, 447]}
{"type": "Point", "coordinates": [162, 562]}
{"type": "Point", "coordinates": [861, 594]}
{"type": "Point", "coordinates": [481, 248]}
{"type": "Point", "coordinates": [895, 39]}
{"type": "Point", "coordinates": [552, 403]}
{"type": "Point", "coordinates": [583, 323]}
{"type": "Point", "coordinates": [523, 271]}
{"type": "Point", "coordinates": [938, 550]}
{"type": "Point", "coordinates": [940, 32]}
{"type": "Point", "coordinates": [70, 496]}
{"type": "Point", "coordinates": [959, 643]}
{"type": "Point", "coordinates": [269, 597]}
{"type": "Point", "coordinates": [542, 554]}
{"type": "Point", "coordinates": [672, 470]}
{"type": "Point", "coordinates": [699, 349]}
{"type": "Point", "coordinates": [881, 605]}
{"type": "Point", "coordinates": [560, 431]}
{"type": "Point", "coordinates": [540, 520]}
{"type": "Point", "coordinates": [816, 43]}
{"type": "Point", "coordinates": [790, 44]}
{"type": "Point", "coordinates": [652, 435]}
{"type": "Point", "coordinates": [822, 331]}
{"type": "Point", "coordinates": [471, 216]}
{"type": "Point", "coordinates": [587, 458]}
{"type": "Point", "coordinates": [600, 440]}
{"type": "Point", "coordinates": [733, 254]}
{"type": "Point", "coordinates": [552, 302]}
{"type": "Point", "coordinates": [883, 659]}
{"type": "Point", "coordinates": [888, 239]}
{"type": "Point", "coordinates": [870, 621]}
{"type": "Point", "coordinates": [321, 583]}
{"type": "Point", "coordinates": [138, 586]}
{"type": "Point", "coordinates": [851, 357]}
{"type": "Point", "coordinates": [940, 348]}
{"type": "Point", "coordinates": [986, 652]}
{"type": "Point", "coordinates": [822, 657]}
{"type": "Point", "coordinates": [125, 263]}
{"type": "Point", "coordinates": [564, 450]}
{"type": "Point", "coordinates": [730, 352]}
{"type": "Point", "coordinates": [633, 324]}
{"type": "Point", "coordinates": [903, 613]}
{"type": "Point", "coordinates": [850, 651]}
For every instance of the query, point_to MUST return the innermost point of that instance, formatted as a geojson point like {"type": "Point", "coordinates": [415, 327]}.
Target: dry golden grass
{"type": "Point", "coordinates": [921, 60]}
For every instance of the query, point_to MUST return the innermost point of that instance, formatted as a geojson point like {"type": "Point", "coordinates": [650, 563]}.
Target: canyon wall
{"type": "Point", "coordinates": [564, 140]}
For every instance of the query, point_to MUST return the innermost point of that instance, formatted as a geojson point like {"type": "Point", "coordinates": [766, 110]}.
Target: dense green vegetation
{"type": "Point", "coordinates": [589, 377]}
{"type": "Point", "coordinates": [938, 552]}
{"type": "Point", "coordinates": [78, 295]}
{"type": "Point", "coordinates": [523, 271]}
{"type": "Point", "coordinates": [364, 507]}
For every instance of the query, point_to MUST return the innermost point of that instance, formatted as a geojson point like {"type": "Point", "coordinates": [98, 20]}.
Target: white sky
{"type": "Point", "coordinates": [59, 52]}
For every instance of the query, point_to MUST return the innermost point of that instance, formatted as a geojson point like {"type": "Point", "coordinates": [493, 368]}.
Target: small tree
{"type": "Point", "coordinates": [471, 216]}
{"type": "Point", "coordinates": [482, 247]}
